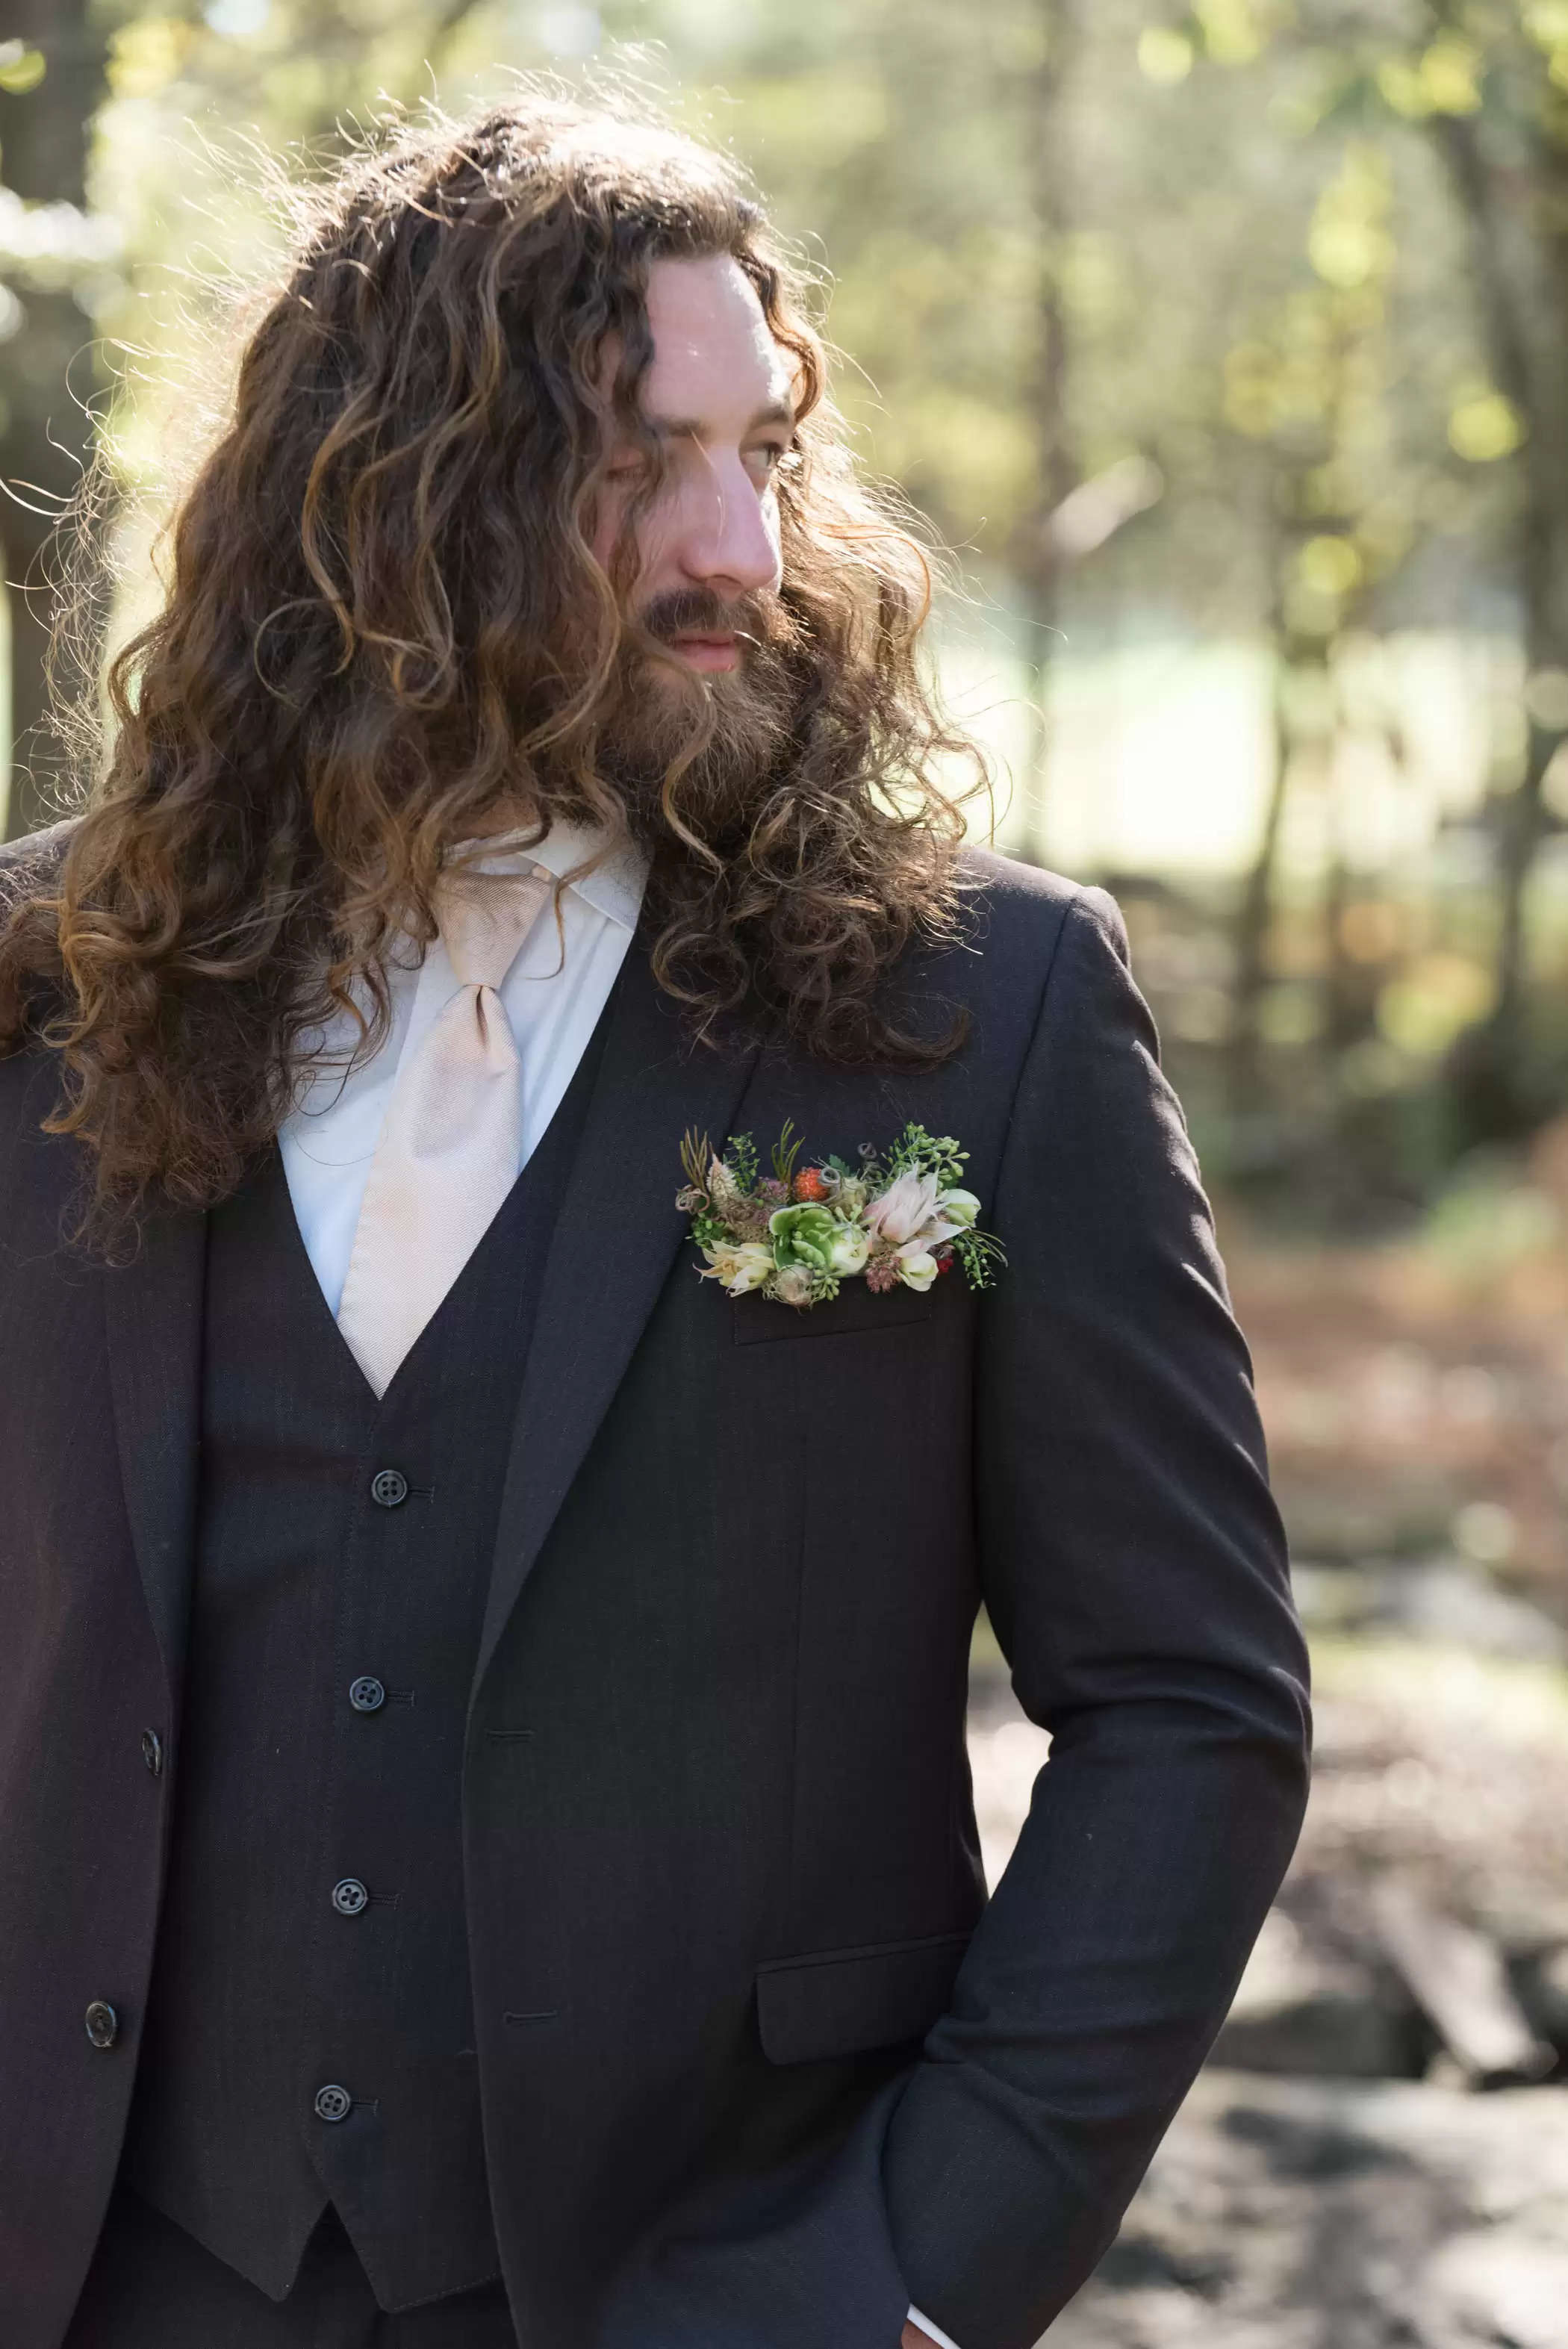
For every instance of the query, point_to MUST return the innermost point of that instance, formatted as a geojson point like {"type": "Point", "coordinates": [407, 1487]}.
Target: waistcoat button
{"type": "Point", "coordinates": [102, 2023]}
{"type": "Point", "coordinates": [331, 2103]}
{"type": "Point", "coordinates": [350, 1896]}
{"type": "Point", "coordinates": [152, 1752]}
{"type": "Point", "coordinates": [366, 1695]}
{"type": "Point", "coordinates": [388, 1486]}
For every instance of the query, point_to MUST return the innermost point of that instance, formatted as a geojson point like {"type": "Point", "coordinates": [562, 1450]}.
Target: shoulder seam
{"type": "Point", "coordinates": [1071, 906]}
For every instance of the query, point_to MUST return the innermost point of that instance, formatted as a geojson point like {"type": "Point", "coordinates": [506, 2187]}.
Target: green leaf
{"type": "Point", "coordinates": [786, 1151]}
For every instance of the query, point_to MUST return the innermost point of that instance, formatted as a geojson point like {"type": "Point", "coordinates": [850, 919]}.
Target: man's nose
{"type": "Point", "coordinates": [730, 539]}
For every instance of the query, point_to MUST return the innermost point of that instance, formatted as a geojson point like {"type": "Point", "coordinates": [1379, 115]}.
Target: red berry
{"type": "Point", "coordinates": [945, 1261]}
{"type": "Point", "coordinates": [809, 1185]}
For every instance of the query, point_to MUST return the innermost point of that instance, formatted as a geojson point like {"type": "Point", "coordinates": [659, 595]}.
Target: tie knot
{"type": "Point", "coordinates": [484, 918]}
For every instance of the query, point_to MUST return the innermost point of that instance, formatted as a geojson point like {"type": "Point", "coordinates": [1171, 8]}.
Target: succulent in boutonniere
{"type": "Point", "coordinates": [901, 1220]}
{"type": "Point", "coordinates": [803, 1235]}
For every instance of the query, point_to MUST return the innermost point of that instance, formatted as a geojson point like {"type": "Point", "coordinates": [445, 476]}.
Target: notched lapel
{"type": "Point", "coordinates": [615, 1239]}
{"type": "Point", "coordinates": [153, 1309]}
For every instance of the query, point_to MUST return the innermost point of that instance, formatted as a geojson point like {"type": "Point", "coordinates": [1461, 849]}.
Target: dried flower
{"type": "Point", "coordinates": [722, 1187]}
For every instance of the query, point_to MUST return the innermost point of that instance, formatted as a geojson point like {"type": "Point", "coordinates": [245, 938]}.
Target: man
{"type": "Point", "coordinates": [488, 1853]}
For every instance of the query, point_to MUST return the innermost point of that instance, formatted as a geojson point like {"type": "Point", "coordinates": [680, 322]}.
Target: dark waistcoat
{"type": "Point", "coordinates": [309, 2035]}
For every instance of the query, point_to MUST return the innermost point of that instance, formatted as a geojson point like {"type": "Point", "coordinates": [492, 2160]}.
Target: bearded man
{"type": "Point", "coordinates": [487, 1854]}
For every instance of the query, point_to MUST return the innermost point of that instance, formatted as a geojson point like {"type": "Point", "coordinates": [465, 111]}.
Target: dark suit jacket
{"type": "Point", "coordinates": [759, 2060]}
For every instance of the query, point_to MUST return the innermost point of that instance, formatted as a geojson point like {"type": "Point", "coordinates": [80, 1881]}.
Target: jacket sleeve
{"type": "Point", "coordinates": [1134, 1567]}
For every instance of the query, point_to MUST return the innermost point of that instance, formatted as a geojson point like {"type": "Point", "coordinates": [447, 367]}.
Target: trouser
{"type": "Point", "coordinates": [153, 2286]}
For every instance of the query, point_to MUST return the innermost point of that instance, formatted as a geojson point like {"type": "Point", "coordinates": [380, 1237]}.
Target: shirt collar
{"type": "Point", "coordinates": [614, 889]}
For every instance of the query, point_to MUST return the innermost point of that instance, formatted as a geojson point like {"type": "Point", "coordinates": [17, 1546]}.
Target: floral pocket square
{"type": "Point", "coordinates": [899, 1217]}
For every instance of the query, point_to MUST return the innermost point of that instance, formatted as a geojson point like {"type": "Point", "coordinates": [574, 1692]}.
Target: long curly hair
{"type": "Point", "coordinates": [383, 629]}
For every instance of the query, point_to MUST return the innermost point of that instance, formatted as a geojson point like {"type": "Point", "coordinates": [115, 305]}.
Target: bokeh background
{"type": "Point", "coordinates": [1228, 348]}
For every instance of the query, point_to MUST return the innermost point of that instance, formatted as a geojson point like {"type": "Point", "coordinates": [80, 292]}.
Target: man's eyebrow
{"type": "Point", "coordinates": [689, 428]}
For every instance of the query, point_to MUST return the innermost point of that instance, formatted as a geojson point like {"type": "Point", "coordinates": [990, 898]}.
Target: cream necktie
{"type": "Point", "coordinates": [451, 1145]}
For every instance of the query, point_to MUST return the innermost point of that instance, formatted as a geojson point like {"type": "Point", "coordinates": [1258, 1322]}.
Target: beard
{"type": "Point", "coordinates": [727, 732]}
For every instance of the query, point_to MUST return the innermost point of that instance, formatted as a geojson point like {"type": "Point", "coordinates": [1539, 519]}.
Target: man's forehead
{"type": "Point", "coordinates": [714, 362]}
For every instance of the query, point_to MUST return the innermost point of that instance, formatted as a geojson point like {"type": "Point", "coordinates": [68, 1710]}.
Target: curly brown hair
{"type": "Point", "coordinates": [384, 630]}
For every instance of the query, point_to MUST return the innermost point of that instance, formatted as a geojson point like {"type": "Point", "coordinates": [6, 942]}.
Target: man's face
{"type": "Point", "coordinates": [717, 393]}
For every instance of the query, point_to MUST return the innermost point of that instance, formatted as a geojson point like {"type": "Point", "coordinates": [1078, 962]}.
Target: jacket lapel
{"type": "Point", "coordinates": [615, 1239]}
{"type": "Point", "coordinates": [153, 1309]}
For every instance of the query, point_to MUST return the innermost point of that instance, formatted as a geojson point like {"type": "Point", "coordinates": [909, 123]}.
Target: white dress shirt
{"type": "Point", "coordinates": [553, 998]}
{"type": "Point", "coordinates": [553, 993]}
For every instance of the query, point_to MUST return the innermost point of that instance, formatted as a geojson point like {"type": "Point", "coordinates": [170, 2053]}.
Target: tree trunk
{"type": "Point", "coordinates": [1521, 277]}
{"type": "Point", "coordinates": [1035, 560]}
{"type": "Point", "coordinates": [45, 436]}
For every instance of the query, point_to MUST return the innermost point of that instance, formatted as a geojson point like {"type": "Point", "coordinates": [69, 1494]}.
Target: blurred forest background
{"type": "Point", "coordinates": [1228, 347]}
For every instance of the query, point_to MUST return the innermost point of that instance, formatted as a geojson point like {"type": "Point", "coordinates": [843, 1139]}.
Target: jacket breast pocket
{"type": "Point", "coordinates": [758, 1321]}
{"type": "Point", "coordinates": [839, 2002]}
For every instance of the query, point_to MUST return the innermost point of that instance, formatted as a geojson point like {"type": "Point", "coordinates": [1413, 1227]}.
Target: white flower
{"type": "Point", "coordinates": [916, 1269]}
{"type": "Point", "coordinates": [851, 1245]}
{"type": "Point", "coordinates": [793, 1286]}
{"type": "Point", "coordinates": [903, 1209]}
{"type": "Point", "coordinates": [960, 1207]}
{"type": "Point", "coordinates": [739, 1265]}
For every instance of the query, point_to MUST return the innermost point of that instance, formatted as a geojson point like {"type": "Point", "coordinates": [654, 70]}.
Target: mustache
{"type": "Point", "coordinates": [701, 612]}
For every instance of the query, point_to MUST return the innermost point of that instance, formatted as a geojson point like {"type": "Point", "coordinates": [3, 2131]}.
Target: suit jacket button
{"type": "Point", "coordinates": [102, 2023]}
{"type": "Point", "coordinates": [389, 1487]}
{"type": "Point", "coordinates": [366, 1694]}
{"type": "Point", "coordinates": [350, 1896]}
{"type": "Point", "coordinates": [152, 1752]}
{"type": "Point", "coordinates": [331, 2103]}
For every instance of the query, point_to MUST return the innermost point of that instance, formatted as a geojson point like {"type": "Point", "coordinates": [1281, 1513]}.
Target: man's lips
{"type": "Point", "coordinates": [716, 652]}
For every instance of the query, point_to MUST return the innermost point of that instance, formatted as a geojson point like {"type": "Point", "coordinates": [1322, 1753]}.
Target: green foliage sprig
{"type": "Point", "coordinates": [918, 1152]}
{"type": "Point", "coordinates": [981, 1256]}
{"type": "Point", "coordinates": [740, 1157]}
